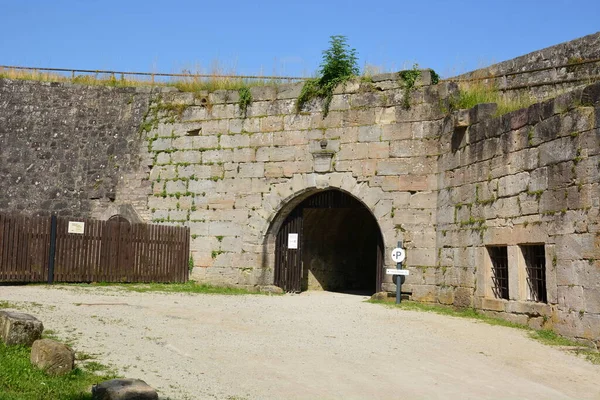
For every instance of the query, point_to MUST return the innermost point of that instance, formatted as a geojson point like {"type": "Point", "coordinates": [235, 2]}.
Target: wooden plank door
{"type": "Point", "coordinates": [288, 261]}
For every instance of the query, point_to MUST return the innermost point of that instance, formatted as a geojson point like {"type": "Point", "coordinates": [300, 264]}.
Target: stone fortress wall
{"type": "Point", "coordinates": [545, 73]}
{"type": "Point", "coordinates": [64, 148]}
{"type": "Point", "coordinates": [457, 187]}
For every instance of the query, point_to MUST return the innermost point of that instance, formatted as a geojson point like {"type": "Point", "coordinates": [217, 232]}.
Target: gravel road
{"type": "Point", "coordinates": [316, 345]}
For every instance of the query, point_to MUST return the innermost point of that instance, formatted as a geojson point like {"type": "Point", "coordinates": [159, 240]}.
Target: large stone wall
{"type": "Point", "coordinates": [528, 177]}
{"type": "Point", "coordinates": [545, 73]}
{"type": "Point", "coordinates": [450, 185]}
{"type": "Point", "coordinates": [64, 149]}
{"type": "Point", "coordinates": [229, 177]}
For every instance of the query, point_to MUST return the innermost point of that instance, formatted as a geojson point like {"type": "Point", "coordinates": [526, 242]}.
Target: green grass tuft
{"type": "Point", "coordinates": [6, 304]}
{"type": "Point", "coordinates": [450, 311]}
{"type": "Point", "coordinates": [188, 287]}
{"type": "Point", "coordinates": [217, 80]}
{"type": "Point", "coordinates": [479, 93]}
{"type": "Point", "coordinates": [544, 336]}
{"type": "Point", "coordinates": [19, 380]}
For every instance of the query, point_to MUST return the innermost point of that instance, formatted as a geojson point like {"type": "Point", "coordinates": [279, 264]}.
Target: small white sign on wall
{"type": "Point", "coordinates": [76, 227]}
{"type": "Point", "coordinates": [292, 240]}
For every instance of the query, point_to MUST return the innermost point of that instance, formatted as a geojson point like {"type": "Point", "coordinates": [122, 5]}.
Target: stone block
{"type": "Point", "coordinates": [493, 304]}
{"type": "Point", "coordinates": [394, 167]}
{"type": "Point", "coordinates": [162, 144]}
{"type": "Point", "coordinates": [425, 293]}
{"type": "Point", "coordinates": [571, 298]}
{"type": "Point", "coordinates": [186, 157]}
{"type": "Point", "coordinates": [399, 131]}
{"type": "Point", "coordinates": [244, 155]}
{"type": "Point", "coordinates": [592, 298]}
{"type": "Point", "coordinates": [355, 151]}
{"type": "Point", "coordinates": [173, 187]}
{"type": "Point", "coordinates": [289, 90]}
{"type": "Point", "coordinates": [287, 153]}
{"type": "Point", "coordinates": [123, 389]}
{"type": "Point", "coordinates": [513, 184]}
{"type": "Point", "coordinates": [53, 357]}
{"type": "Point", "coordinates": [224, 229]}
{"type": "Point", "coordinates": [251, 170]}
{"type": "Point", "coordinates": [446, 295]}
{"type": "Point", "coordinates": [234, 141]}
{"type": "Point", "coordinates": [463, 118]}
{"type": "Point", "coordinates": [217, 156]}
{"type": "Point", "coordinates": [484, 111]}
{"type": "Point", "coordinates": [557, 151]}
{"type": "Point", "coordinates": [463, 297]}
{"type": "Point", "coordinates": [19, 329]}
{"type": "Point", "coordinates": [370, 133]}
{"type": "Point", "coordinates": [271, 124]}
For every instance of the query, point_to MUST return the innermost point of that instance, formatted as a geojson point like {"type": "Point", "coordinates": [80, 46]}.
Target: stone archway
{"type": "Point", "coordinates": [328, 240]}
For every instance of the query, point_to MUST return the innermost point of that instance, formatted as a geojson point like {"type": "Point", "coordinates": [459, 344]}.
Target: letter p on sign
{"type": "Point", "coordinates": [398, 255]}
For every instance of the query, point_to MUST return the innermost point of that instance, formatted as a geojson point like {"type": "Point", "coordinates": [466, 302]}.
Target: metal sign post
{"type": "Point", "coordinates": [399, 278]}
{"type": "Point", "coordinates": [398, 255]}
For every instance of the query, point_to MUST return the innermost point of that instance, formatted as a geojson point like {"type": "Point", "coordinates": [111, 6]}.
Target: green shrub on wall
{"type": "Point", "coordinates": [338, 65]}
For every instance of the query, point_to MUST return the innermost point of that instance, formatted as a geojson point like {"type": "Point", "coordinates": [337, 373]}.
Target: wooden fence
{"type": "Point", "coordinates": [48, 249]}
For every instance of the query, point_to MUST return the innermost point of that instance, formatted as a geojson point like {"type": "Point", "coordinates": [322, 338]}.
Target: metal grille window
{"type": "Point", "coordinates": [499, 258]}
{"type": "Point", "coordinates": [535, 261]}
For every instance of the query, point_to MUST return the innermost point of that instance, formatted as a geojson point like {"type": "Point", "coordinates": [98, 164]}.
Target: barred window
{"type": "Point", "coordinates": [535, 262]}
{"type": "Point", "coordinates": [499, 258]}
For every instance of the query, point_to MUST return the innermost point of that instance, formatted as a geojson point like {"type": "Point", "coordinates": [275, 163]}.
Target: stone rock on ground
{"type": "Point", "coordinates": [123, 389]}
{"type": "Point", "coordinates": [380, 296]}
{"type": "Point", "coordinates": [271, 289]}
{"type": "Point", "coordinates": [19, 328]}
{"type": "Point", "coordinates": [53, 357]}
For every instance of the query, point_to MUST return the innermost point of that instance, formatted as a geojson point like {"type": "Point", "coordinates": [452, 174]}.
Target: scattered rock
{"type": "Point", "coordinates": [271, 289]}
{"type": "Point", "coordinates": [380, 296]}
{"type": "Point", "coordinates": [123, 389]}
{"type": "Point", "coordinates": [53, 357]}
{"type": "Point", "coordinates": [19, 328]}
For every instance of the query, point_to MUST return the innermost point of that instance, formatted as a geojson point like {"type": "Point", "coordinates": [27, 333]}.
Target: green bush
{"type": "Point", "coordinates": [338, 65]}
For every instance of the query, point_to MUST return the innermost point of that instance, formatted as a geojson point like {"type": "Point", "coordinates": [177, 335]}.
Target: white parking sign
{"type": "Point", "coordinates": [398, 255]}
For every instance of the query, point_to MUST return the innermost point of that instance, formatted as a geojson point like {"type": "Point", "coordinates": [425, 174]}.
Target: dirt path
{"type": "Point", "coordinates": [310, 346]}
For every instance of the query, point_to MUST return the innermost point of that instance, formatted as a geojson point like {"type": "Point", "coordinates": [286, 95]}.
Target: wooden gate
{"type": "Point", "coordinates": [288, 262]}
{"type": "Point", "coordinates": [102, 251]}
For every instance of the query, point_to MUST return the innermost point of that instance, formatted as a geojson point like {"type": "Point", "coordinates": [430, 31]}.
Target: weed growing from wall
{"type": "Point", "coordinates": [339, 64]}
{"type": "Point", "coordinates": [245, 100]}
{"type": "Point", "coordinates": [409, 78]}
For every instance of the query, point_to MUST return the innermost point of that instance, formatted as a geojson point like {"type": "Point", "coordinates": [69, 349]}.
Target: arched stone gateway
{"type": "Point", "coordinates": [327, 241]}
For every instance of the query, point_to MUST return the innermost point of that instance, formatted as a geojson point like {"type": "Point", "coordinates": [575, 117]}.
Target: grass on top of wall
{"type": "Point", "coordinates": [544, 336]}
{"type": "Point", "coordinates": [218, 81]}
{"type": "Point", "coordinates": [471, 94]}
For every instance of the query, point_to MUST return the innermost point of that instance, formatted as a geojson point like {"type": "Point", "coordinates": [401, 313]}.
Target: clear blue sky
{"type": "Point", "coordinates": [283, 37]}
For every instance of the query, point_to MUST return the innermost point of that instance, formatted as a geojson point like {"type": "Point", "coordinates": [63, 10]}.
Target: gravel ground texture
{"type": "Point", "coordinates": [316, 345]}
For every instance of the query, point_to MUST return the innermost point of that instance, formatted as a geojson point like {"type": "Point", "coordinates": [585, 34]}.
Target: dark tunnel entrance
{"type": "Point", "coordinates": [332, 242]}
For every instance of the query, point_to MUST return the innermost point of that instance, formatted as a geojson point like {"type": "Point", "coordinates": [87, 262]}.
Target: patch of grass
{"type": "Point", "coordinates": [94, 366]}
{"type": "Point", "coordinates": [50, 334]}
{"type": "Point", "coordinates": [7, 304]}
{"type": "Point", "coordinates": [20, 380]}
{"type": "Point", "coordinates": [215, 80]}
{"type": "Point", "coordinates": [544, 336]}
{"type": "Point", "coordinates": [551, 338]}
{"type": "Point", "coordinates": [450, 311]}
{"type": "Point", "coordinates": [479, 92]}
{"type": "Point", "coordinates": [188, 287]}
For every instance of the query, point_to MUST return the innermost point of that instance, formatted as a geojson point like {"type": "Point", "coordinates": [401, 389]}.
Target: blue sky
{"type": "Point", "coordinates": [283, 37]}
